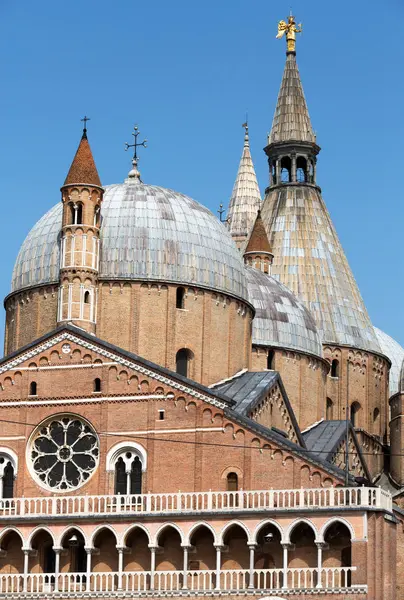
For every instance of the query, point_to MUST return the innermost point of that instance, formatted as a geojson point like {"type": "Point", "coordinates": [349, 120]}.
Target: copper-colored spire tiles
{"type": "Point", "coordinates": [83, 169]}
{"type": "Point", "coordinates": [258, 241]}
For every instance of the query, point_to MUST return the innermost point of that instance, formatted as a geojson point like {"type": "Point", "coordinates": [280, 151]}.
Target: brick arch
{"type": "Point", "coordinates": [66, 531]}
{"type": "Point", "coordinates": [98, 530]}
{"type": "Point", "coordinates": [7, 530]}
{"type": "Point", "coordinates": [263, 524]}
{"type": "Point", "coordinates": [331, 522]}
{"type": "Point", "coordinates": [228, 526]}
{"type": "Point", "coordinates": [37, 530]}
{"type": "Point", "coordinates": [132, 528]}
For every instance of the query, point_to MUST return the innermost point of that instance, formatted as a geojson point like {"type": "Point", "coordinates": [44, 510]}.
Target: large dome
{"type": "Point", "coordinates": [147, 233]}
{"type": "Point", "coordinates": [395, 353]}
{"type": "Point", "coordinates": [281, 320]}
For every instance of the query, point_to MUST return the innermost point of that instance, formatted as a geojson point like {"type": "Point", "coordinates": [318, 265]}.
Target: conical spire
{"type": "Point", "coordinates": [291, 120]}
{"type": "Point", "coordinates": [83, 169]}
{"type": "Point", "coordinates": [258, 241]}
{"type": "Point", "coordinates": [245, 200]}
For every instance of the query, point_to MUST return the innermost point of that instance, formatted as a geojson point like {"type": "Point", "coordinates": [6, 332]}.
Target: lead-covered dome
{"type": "Point", "coordinates": [395, 353]}
{"type": "Point", "coordinates": [147, 233]}
{"type": "Point", "coordinates": [281, 320]}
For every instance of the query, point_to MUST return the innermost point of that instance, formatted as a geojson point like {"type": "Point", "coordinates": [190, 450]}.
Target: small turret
{"type": "Point", "coordinates": [258, 253]}
{"type": "Point", "coordinates": [82, 195]}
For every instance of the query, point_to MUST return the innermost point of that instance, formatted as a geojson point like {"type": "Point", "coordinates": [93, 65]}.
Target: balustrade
{"type": "Point", "coordinates": [197, 502]}
{"type": "Point", "coordinates": [139, 582]}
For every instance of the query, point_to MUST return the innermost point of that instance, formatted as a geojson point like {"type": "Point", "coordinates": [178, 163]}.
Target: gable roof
{"type": "Point", "coordinates": [326, 437]}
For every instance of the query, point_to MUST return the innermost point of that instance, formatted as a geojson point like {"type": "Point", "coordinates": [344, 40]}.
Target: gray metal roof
{"type": "Point", "coordinates": [395, 353]}
{"type": "Point", "coordinates": [281, 320]}
{"type": "Point", "coordinates": [247, 388]}
{"type": "Point", "coordinates": [147, 233]}
{"type": "Point", "coordinates": [309, 259]}
{"type": "Point", "coordinates": [325, 437]}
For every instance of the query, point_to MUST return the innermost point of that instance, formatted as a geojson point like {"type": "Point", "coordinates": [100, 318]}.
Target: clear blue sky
{"type": "Point", "coordinates": [187, 72]}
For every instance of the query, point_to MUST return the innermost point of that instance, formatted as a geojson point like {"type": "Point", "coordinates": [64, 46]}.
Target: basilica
{"type": "Point", "coordinates": [197, 407]}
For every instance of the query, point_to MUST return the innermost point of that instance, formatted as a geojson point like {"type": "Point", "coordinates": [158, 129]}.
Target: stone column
{"type": "Point", "coordinates": [186, 550]}
{"type": "Point", "coordinates": [218, 565]}
{"type": "Point", "coordinates": [57, 552]}
{"type": "Point", "coordinates": [252, 559]}
{"type": "Point", "coordinates": [120, 565]}
{"type": "Point", "coordinates": [152, 565]}
{"type": "Point", "coordinates": [314, 170]}
{"type": "Point", "coordinates": [26, 568]}
{"type": "Point", "coordinates": [319, 564]}
{"type": "Point", "coordinates": [294, 170]}
{"type": "Point", "coordinates": [278, 171]}
{"type": "Point", "coordinates": [89, 552]}
{"type": "Point", "coordinates": [285, 565]}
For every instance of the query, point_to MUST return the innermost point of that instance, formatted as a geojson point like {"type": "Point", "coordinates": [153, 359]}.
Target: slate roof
{"type": "Point", "coordinates": [291, 120]}
{"type": "Point", "coordinates": [147, 233]}
{"type": "Point", "coordinates": [248, 389]}
{"type": "Point", "coordinates": [245, 200]}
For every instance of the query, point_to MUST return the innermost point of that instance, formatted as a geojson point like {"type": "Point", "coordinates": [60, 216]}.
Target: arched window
{"type": "Point", "coordinates": [232, 482]}
{"type": "Point", "coordinates": [7, 476]}
{"type": "Point", "coordinates": [79, 213]}
{"type": "Point", "coordinates": [87, 297]}
{"type": "Point", "coordinates": [97, 216]}
{"type": "Point", "coordinates": [71, 214]}
{"type": "Point", "coordinates": [180, 303]}
{"type": "Point", "coordinates": [355, 408]}
{"type": "Point", "coordinates": [301, 169]}
{"type": "Point", "coordinates": [128, 474]}
{"type": "Point", "coordinates": [329, 410]}
{"type": "Point", "coordinates": [376, 419]}
{"type": "Point", "coordinates": [286, 169]}
{"type": "Point", "coordinates": [182, 360]}
{"type": "Point", "coordinates": [270, 359]}
{"type": "Point", "coordinates": [33, 388]}
{"type": "Point", "coordinates": [334, 368]}
{"type": "Point", "coordinates": [273, 168]}
{"type": "Point", "coordinates": [97, 384]}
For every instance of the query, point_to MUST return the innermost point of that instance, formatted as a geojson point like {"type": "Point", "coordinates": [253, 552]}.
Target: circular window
{"type": "Point", "coordinates": [63, 453]}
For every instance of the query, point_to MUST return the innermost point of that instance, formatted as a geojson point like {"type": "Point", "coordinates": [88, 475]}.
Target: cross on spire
{"type": "Point", "coordinates": [84, 120]}
{"type": "Point", "coordinates": [136, 144]}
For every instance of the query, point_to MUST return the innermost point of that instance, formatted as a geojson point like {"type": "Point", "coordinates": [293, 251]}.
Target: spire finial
{"type": "Point", "coordinates": [84, 120]}
{"type": "Point", "coordinates": [246, 138]}
{"type": "Point", "coordinates": [134, 171]}
{"type": "Point", "coordinates": [221, 211]}
{"type": "Point", "coordinates": [290, 28]}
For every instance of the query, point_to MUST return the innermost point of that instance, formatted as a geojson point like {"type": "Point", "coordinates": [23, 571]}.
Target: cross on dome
{"type": "Point", "coordinates": [134, 172]}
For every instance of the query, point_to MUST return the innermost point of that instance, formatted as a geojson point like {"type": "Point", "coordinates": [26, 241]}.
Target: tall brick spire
{"type": "Point", "coordinates": [82, 196]}
{"type": "Point", "coordinates": [246, 198]}
{"type": "Point", "coordinates": [83, 169]}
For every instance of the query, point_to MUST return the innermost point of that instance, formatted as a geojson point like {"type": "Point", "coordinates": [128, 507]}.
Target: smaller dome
{"type": "Point", "coordinates": [395, 353]}
{"type": "Point", "coordinates": [281, 320]}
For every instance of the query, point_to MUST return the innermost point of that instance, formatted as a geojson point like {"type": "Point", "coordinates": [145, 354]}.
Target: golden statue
{"type": "Point", "coordinates": [291, 29]}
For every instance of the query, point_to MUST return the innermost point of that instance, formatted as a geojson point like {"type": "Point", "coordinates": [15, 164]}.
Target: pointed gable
{"type": "Point", "coordinates": [246, 198]}
{"type": "Point", "coordinates": [83, 169]}
{"type": "Point", "coordinates": [291, 120]}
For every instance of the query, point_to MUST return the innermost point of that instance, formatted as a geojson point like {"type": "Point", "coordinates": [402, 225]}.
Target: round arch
{"type": "Point", "coordinates": [231, 524]}
{"type": "Point", "coordinates": [330, 522]}
{"type": "Point", "coordinates": [12, 456]}
{"type": "Point", "coordinates": [262, 525]}
{"type": "Point", "coordinates": [131, 528]}
{"type": "Point", "coordinates": [33, 534]}
{"type": "Point", "coordinates": [115, 452]}
{"type": "Point", "coordinates": [102, 528]}
{"type": "Point", "coordinates": [297, 522]}
{"type": "Point", "coordinates": [163, 528]}
{"type": "Point", "coordinates": [197, 526]}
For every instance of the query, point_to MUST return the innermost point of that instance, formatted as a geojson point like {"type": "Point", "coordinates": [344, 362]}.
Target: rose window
{"type": "Point", "coordinates": [64, 453]}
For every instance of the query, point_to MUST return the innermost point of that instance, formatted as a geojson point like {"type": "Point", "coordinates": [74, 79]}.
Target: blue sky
{"type": "Point", "coordinates": [187, 73]}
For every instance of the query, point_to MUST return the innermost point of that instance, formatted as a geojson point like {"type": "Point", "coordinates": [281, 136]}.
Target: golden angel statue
{"type": "Point", "coordinates": [290, 28]}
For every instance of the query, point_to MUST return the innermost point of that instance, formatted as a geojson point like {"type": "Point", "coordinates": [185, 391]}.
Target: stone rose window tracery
{"type": "Point", "coordinates": [64, 453]}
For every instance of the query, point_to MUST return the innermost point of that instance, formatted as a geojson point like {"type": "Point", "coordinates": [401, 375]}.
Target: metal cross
{"type": "Point", "coordinates": [137, 144]}
{"type": "Point", "coordinates": [221, 211]}
{"type": "Point", "coordinates": [85, 119]}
